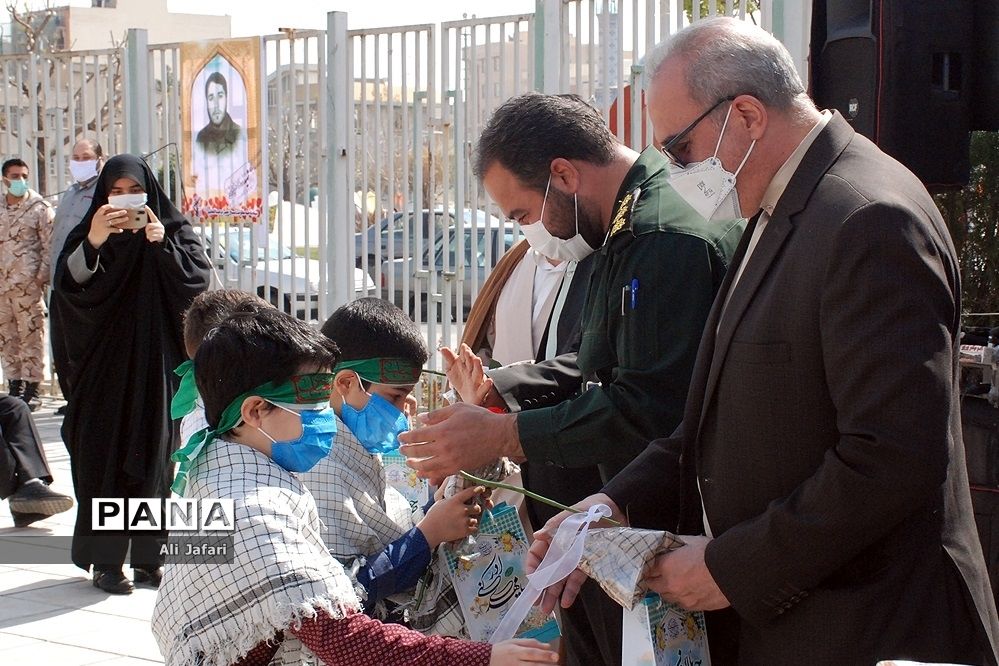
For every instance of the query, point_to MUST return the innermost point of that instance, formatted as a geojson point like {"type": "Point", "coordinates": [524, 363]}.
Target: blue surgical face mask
{"type": "Point", "coordinates": [302, 454]}
{"type": "Point", "coordinates": [377, 425]}
{"type": "Point", "coordinates": [18, 187]}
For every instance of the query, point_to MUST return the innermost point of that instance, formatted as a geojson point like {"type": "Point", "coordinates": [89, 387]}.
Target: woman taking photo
{"type": "Point", "coordinates": [125, 276]}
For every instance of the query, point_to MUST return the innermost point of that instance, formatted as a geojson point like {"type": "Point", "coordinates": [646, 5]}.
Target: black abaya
{"type": "Point", "coordinates": [116, 340]}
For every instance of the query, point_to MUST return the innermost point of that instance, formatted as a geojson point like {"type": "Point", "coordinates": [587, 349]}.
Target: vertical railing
{"type": "Point", "coordinates": [47, 102]}
{"type": "Point", "coordinates": [604, 42]}
{"type": "Point", "coordinates": [484, 62]}
{"type": "Point", "coordinates": [383, 122]}
{"type": "Point", "coordinates": [392, 74]}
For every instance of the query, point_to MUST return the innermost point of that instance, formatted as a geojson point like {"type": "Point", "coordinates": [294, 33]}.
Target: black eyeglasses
{"type": "Point", "coordinates": [668, 147]}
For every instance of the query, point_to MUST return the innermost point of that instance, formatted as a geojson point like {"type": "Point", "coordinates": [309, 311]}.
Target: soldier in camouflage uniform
{"type": "Point", "coordinates": [25, 233]}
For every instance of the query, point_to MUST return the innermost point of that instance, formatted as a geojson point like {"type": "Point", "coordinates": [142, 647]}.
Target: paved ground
{"type": "Point", "coordinates": [51, 613]}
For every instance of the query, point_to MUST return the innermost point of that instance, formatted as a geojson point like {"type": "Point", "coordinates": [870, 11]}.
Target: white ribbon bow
{"type": "Point", "coordinates": [563, 556]}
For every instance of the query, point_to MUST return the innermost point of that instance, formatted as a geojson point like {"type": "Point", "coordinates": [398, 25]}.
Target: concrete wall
{"type": "Point", "coordinates": [93, 27]}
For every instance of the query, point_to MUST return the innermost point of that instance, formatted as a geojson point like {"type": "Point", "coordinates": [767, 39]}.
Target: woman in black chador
{"type": "Point", "coordinates": [118, 300]}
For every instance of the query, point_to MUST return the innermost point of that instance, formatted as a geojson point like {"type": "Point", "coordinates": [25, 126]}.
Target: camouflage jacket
{"type": "Point", "coordinates": [25, 237]}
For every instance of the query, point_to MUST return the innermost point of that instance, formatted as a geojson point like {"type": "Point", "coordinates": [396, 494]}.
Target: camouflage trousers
{"type": "Point", "coordinates": [22, 333]}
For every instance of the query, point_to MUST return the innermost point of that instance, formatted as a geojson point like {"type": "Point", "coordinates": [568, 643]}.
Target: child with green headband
{"type": "Point", "coordinates": [265, 382]}
{"type": "Point", "coordinates": [207, 310]}
{"type": "Point", "coordinates": [370, 526]}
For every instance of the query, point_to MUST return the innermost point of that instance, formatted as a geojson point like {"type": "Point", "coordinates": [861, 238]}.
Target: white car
{"type": "Point", "coordinates": [476, 235]}
{"type": "Point", "coordinates": [276, 273]}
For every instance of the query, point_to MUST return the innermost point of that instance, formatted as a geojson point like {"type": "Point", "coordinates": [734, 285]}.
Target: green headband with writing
{"type": "Point", "coordinates": [389, 371]}
{"type": "Point", "coordinates": [312, 390]}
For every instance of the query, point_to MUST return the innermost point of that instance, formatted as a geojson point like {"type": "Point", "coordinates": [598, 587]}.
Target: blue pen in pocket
{"type": "Point", "coordinates": [634, 293]}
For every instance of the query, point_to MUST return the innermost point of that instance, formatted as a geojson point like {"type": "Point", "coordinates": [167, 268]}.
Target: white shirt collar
{"type": "Point", "coordinates": [541, 261]}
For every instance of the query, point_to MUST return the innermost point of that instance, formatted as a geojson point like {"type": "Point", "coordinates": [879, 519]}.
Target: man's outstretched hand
{"type": "Point", "coordinates": [459, 437]}
{"type": "Point", "coordinates": [565, 592]}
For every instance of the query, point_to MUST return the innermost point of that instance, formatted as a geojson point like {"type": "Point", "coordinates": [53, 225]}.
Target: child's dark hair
{"type": "Point", "coordinates": [211, 308]}
{"type": "Point", "coordinates": [250, 349]}
{"type": "Point", "coordinates": [374, 328]}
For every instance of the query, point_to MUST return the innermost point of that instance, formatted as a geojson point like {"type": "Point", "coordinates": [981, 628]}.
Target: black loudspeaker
{"type": "Point", "coordinates": [901, 72]}
{"type": "Point", "coordinates": [985, 100]}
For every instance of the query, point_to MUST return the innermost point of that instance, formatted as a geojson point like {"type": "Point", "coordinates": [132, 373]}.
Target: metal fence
{"type": "Point", "coordinates": [368, 139]}
{"type": "Point", "coordinates": [49, 99]}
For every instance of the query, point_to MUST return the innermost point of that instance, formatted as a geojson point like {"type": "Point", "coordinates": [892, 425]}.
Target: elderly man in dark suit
{"type": "Point", "coordinates": [818, 475]}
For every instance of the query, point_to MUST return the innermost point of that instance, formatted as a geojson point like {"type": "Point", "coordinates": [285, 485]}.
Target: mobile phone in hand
{"type": "Point", "coordinates": [136, 219]}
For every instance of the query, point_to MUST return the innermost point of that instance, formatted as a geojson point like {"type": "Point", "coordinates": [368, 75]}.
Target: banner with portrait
{"type": "Point", "coordinates": [223, 152]}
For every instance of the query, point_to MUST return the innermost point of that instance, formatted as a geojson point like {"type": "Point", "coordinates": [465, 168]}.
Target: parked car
{"type": "Point", "coordinates": [392, 229]}
{"type": "Point", "coordinates": [498, 237]}
{"type": "Point", "coordinates": [276, 272]}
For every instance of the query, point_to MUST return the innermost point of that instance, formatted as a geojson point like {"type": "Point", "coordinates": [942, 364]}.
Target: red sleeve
{"type": "Point", "coordinates": [262, 654]}
{"type": "Point", "coordinates": [358, 640]}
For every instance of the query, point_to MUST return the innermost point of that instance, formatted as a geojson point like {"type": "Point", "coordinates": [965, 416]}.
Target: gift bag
{"type": "Point", "coordinates": [488, 583]}
{"type": "Point", "coordinates": [403, 478]}
{"type": "Point", "coordinates": [658, 633]}
{"type": "Point", "coordinates": [619, 558]}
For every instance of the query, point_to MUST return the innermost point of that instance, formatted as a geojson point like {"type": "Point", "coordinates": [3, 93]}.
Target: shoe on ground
{"type": "Point", "coordinates": [15, 388]}
{"type": "Point", "coordinates": [113, 582]}
{"type": "Point", "coordinates": [37, 497]}
{"type": "Point", "coordinates": [25, 519]}
{"type": "Point", "coordinates": [30, 396]}
{"type": "Point", "coordinates": [152, 576]}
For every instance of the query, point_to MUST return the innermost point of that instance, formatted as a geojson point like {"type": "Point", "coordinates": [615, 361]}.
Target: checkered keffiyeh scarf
{"type": "Point", "coordinates": [363, 515]}
{"type": "Point", "coordinates": [213, 614]}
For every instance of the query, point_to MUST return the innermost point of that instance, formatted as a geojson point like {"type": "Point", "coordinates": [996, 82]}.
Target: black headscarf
{"type": "Point", "coordinates": [116, 339]}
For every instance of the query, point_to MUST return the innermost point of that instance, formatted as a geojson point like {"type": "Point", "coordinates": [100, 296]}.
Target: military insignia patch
{"type": "Point", "coordinates": [623, 215]}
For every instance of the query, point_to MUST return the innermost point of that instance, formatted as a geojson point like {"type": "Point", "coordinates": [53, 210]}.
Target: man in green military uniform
{"type": "Point", "coordinates": [551, 165]}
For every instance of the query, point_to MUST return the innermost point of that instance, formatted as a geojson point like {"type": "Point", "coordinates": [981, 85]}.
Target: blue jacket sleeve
{"type": "Point", "coordinates": [395, 569]}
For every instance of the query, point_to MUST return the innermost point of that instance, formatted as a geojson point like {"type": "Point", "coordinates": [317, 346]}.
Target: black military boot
{"type": "Point", "coordinates": [15, 387]}
{"type": "Point", "coordinates": [30, 395]}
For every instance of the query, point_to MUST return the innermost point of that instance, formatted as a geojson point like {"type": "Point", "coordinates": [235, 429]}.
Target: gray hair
{"type": "Point", "coordinates": [94, 146]}
{"type": "Point", "coordinates": [727, 57]}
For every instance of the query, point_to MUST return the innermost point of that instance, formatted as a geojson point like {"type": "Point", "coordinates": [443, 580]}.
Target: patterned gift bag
{"type": "Point", "coordinates": [488, 583]}
{"type": "Point", "coordinates": [403, 478]}
{"type": "Point", "coordinates": [658, 633]}
{"type": "Point", "coordinates": [618, 558]}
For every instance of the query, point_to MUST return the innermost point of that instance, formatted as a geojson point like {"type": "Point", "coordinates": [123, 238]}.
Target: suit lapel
{"type": "Point", "coordinates": [824, 151]}
{"type": "Point", "coordinates": [705, 352]}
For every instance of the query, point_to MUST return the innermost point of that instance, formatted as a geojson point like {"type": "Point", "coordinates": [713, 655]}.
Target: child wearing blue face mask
{"type": "Point", "coordinates": [208, 310]}
{"type": "Point", "coordinates": [265, 383]}
{"type": "Point", "coordinates": [370, 527]}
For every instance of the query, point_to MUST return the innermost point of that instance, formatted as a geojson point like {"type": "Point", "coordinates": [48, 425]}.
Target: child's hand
{"type": "Point", "coordinates": [452, 518]}
{"type": "Point", "coordinates": [522, 651]}
{"type": "Point", "coordinates": [410, 407]}
{"type": "Point", "coordinates": [464, 371]}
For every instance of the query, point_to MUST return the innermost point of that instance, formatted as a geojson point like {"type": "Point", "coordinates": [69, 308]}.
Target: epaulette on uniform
{"type": "Point", "coordinates": [622, 220]}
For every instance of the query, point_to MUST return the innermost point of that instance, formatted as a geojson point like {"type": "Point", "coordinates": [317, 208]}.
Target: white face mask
{"type": "Point", "coordinates": [707, 186]}
{"type": "Point", "coordinates": [129, 201]}
{"type": "Point", "coordinates": [83, 171]}
{"type": "Point", "coordinates": [560, 249]}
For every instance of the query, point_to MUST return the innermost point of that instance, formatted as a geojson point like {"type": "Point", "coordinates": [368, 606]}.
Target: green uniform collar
{"type": "Point", "coordinates": [650, 164]}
